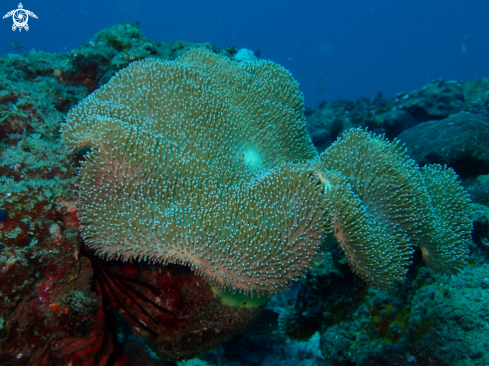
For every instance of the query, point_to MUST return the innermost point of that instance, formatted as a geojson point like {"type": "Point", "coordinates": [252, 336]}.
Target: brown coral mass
{"type": "Point", "coordinates": [200, 161]}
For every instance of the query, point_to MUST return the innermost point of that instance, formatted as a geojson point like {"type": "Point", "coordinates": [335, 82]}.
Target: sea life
{"type": "Point", "coordinates": [323, 84]}
{"type": "Point", "coordinates": [199, 177]}
{"type": "Point", "coordinates": [61, 303]}
{"type": "Point", "coordinates": [16, 45]}
{"type": "Point", "coordinates": [381, 205]}
{"type": "Point", "coordinates": [200, 162]}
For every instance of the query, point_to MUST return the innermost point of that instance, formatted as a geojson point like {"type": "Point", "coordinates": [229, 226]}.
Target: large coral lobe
{"type": "Point", "coordinates": [199, 162]}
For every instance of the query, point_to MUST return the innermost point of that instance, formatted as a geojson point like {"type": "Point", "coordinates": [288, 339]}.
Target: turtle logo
{"type": "Point", "coordinates": [20, 17]}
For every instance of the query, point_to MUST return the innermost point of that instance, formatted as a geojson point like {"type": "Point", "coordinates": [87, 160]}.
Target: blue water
{"type": "Point", "coordinates": [365, 47]}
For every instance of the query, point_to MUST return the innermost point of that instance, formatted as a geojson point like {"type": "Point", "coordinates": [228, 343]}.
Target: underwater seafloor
{"type": "Point", "coordinates": [52, 313]}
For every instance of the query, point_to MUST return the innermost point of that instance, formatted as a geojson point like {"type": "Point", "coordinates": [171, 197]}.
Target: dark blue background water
{"type": "Point", "coordinates": [365, 46]}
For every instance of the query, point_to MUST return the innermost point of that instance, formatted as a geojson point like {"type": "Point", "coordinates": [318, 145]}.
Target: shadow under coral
{"type": "Point", "coordinates": [179, 314]}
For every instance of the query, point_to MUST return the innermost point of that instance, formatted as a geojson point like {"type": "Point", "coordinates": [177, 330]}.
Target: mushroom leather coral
{"type": "Point", "coordinates": [201, 161]}
{"type": "Point", "coordinates": [206, 162]}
